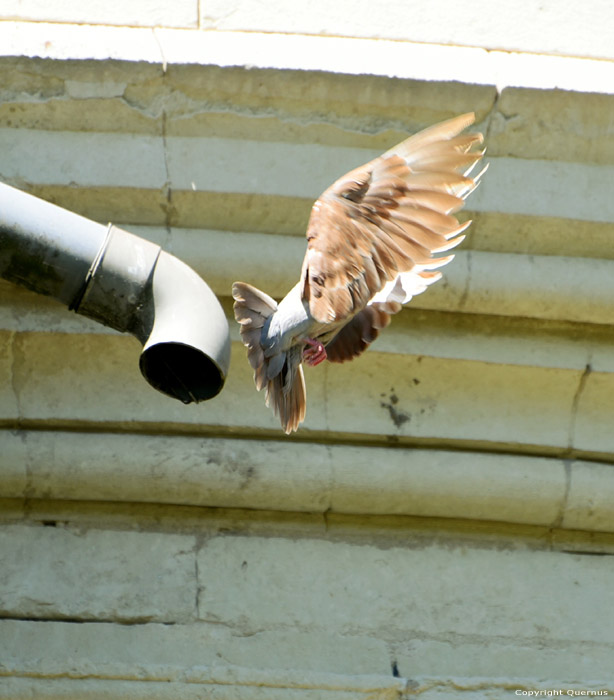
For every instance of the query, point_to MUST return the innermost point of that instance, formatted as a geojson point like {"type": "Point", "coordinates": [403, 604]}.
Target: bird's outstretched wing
{"type": "Point", "coordinates": [389, 217]}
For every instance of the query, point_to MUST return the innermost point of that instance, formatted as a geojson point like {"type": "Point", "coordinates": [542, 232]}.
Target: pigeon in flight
{"type": "Point", "coordinates": [371, 241]}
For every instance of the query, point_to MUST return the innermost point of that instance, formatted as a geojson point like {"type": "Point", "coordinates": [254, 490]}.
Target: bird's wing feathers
{"type": "Point", "coordinates": [443, 131]}
{"type": "Point", "coordinates": [386, 218]}
{"type": "Point", "coordinates": [356, 335]}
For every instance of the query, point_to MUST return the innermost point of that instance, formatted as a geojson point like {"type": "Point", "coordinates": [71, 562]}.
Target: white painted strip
{"type": "Point", "coordinates": [70, 41]}
{"type": "Point", "coordinates": [399, 59]}
{"type": "Point", "coordinates": [550, 26]}
{"type": "Point", "coordinates": [143, 13]}
{"type": "Point", "coordinates": [354, 56]}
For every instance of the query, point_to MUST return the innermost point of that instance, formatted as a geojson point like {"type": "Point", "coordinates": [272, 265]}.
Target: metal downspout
{"type": "Point", "coordinates": [124, 282]}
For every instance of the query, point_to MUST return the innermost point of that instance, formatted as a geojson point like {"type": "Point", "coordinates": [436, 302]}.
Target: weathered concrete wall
{"type": "Point", "coordinates": [442, 525]}
{"type": "Point", "coordinates": [313, 607]}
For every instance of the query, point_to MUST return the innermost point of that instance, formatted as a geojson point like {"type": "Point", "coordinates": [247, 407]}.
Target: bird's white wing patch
{"type": "Point", "coordinates": [406, 285]}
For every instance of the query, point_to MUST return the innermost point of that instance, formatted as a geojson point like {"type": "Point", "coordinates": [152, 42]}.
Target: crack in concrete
{"type": "Point", "coordinates": [567, 465]}
{"type": "Point", "coordinates": [465, 293]}
{"type": "Point", "coordinates": [12, 363]}
{"type": "Point", "coordinates": [557, 523]}
{"type": "Point", "coordinates": [331, 487]}
{"type": "Point", "coordinates": [494, 109]}
{"type": "Point", "coordinates": [167, 188]}
{"type": "Point", "coordinates": [575, 403]}
{"type": "Point", "coordinates": [570, 440]}
{"type": "Point", "coordinates": [200, 541]}
{"type": "Point", "coordinates": [198, 585]}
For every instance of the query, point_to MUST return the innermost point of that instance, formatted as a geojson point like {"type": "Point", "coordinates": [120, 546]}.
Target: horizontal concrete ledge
{"type": "Point", "coordinates": [81, 85]}
{"type": "Point", "coordinates": [431, 333]}
{"type": "Point", "coordinates": [194, 168]}
{"type": "Point", "coordinates": [68, 381]}
{"type": "Point", "coordinates": [65, 687]}
{"type": "Point", "coordinates": [279, 659]}
{"type": "Point", "coordinates": [203, 653]}
{"type": "Point", "coordinates": [481, 283]}
{"type": "Point", "coordinates": [80, 684]}
{"type": "Point", "coordinates": [110, 689]}
{"type": "Point", "coordinates": [442, 333]}
{"type": "Point", "coordinates": [403, 59]}
{"type": "Point", "coordinates": [307, 477]}
{"type": "Point", "coordinates": [476, 282]}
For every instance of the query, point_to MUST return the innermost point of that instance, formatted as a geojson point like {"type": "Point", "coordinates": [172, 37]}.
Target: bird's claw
{"type": "Point", "coordinates": [314, 352]}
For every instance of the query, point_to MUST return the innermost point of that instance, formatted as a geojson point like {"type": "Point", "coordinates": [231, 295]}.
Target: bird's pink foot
{"type": "Point", "coordinates": [314, 352]}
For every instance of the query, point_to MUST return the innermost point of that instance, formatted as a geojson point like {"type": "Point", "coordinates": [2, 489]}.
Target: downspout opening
{"type": "Point", "coordinates": [181, 371]}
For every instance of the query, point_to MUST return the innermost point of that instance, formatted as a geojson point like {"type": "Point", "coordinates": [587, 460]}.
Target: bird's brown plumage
{"type": "Point", "coordinates": [372, 242]}
{"type": "Point", "coordinates": [387, 217]}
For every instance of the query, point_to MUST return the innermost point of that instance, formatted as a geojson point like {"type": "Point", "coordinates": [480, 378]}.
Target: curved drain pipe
{"type": "Point", "coordinates": [121, 281]}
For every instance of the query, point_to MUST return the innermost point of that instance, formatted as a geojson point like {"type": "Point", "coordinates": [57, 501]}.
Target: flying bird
{"type": "Point", "coordinates": [371, 243]}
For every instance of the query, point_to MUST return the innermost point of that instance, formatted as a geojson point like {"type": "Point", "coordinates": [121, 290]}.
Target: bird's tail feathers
{"type": "Point", "coordinates": [251, 302]}
{"type": "Point", "coordinates": [252, 308]}
{"type": "Point", "coordinates": [281, 374]}
{"type": "Point", "coordinates": [286, 394]}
